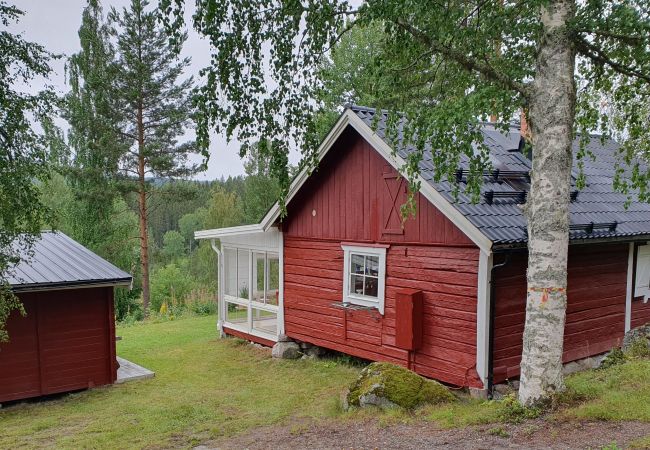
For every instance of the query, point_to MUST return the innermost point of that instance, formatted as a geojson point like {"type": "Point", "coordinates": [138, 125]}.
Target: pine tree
{"type": "Point", "coordinates": [154, 109]}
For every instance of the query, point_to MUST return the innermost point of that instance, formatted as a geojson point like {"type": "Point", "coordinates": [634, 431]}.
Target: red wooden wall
{"type": "Point", "coordinates": [595, 322]}
{"type": "Point", "coordinates": [66, 342]}
{"type": "Point", "coordinates": [640, 312]}
{"type": "Point", "coordinates": [355, 197]}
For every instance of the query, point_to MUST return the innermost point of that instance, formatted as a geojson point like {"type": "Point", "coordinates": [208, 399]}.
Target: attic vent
{"type": "Point", "coordinates": [590, 227]}
{"type": "Point", "coordinates": [518, 196]}
{"type": "Point", "coordinates": [496, 175]}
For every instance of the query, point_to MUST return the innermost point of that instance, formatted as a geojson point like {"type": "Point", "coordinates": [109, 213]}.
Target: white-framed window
{"type": "Point", "coordinates": [364, 276]}
{"type": "Point", "coordinates": [642, 272]}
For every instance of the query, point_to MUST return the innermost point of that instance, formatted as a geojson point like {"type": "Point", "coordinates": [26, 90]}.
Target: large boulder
{"type": "Point", "coordinates": [286, 350]}
{"type": "Point", "coordinates": [386, 385]}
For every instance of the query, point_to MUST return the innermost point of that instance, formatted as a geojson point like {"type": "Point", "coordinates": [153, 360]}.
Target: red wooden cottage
{"type": "Point", "coordinates": [445, 294]}
{"type": "Point", "coordinates": [66, 341]}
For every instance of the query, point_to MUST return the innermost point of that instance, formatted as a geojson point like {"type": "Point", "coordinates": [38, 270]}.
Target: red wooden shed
{"type": "Point", "coordinates": [445, 293]}
{"type": "Point", "coordinates": [66, 341]}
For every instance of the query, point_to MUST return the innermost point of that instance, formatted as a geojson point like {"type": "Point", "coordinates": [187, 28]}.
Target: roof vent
{"type": "Point", "coordinates": [591, 227]}
{"type": "Point", "coordinates": [518, 196]}
{"type": "Point", "coordinates": [496, 175]}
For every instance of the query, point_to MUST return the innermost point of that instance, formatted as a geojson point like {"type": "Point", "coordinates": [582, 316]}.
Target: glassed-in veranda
{"type": "Point", "coordinates": [250, 279]}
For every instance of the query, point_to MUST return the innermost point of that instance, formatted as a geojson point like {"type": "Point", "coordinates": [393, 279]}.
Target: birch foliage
{"type": "Point", "coordinates": [448, 66]}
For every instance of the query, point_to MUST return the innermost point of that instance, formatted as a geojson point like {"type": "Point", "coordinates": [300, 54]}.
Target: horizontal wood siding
{"type": "Point", "coordinates": [313, 281]}
{"type": "Point", "coordinates": [19, 363]}
{"type": "Point", "coordinates": [66, 342]}
{"type": "Point", "coordinates": [640, 312]}
{"type": "Point", "coordinates": [355, 197]}
{"type": "Point", "coordinates": [595, 319]}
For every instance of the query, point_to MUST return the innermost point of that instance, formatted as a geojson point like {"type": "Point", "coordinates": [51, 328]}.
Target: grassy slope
{"type": "Point", "coordinates": [203, 388]}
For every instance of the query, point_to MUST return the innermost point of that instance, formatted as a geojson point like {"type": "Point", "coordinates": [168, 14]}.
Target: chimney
{"type": "Point", "coordinates": [523, 128]}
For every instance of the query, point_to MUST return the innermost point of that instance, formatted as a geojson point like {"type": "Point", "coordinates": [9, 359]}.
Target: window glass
{"type": "Point", "coordinates": [259, 276]}
{"type": "Point", "coordinates": [265, 321]}
{"type": "Point", "coordinates": [357, 264]}
{"type": "Point", "coordinates": [364, 273]}
{"type": "Point", "coordinates": [242, 274]}
{"type": "Point", "coordinates": [230, 271]}
{"type": "Point", "coordinates": [273, 278]}
{"type": "Point", "coordinates": [372, 265]}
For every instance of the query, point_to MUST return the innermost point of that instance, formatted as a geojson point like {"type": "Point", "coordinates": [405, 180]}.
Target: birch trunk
{"type": "Point", "coordinates": [551, 115]}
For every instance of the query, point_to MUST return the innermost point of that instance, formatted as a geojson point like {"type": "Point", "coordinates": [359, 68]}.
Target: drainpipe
{"type": "Point", "coordinates": [220, 302]}
{"type": "Point", "coordinates": [493, 301]}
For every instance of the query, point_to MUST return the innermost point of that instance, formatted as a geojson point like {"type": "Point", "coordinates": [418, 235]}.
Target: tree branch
{"type": "Point", "coordinates": [597, 55]}
{"type": "Point", "coordinates": [467, 62]}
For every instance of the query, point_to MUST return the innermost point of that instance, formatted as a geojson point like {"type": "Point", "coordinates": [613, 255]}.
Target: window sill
{"type": "Point", "coordinates": [354, 307]}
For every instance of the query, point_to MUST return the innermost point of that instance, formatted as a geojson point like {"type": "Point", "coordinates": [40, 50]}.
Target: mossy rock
{"type": "Point", "coordinates": [386, 385]}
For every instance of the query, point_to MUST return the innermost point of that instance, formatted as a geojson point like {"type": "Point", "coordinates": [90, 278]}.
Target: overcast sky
{"type": "Point", "coordinates": [55, 23]}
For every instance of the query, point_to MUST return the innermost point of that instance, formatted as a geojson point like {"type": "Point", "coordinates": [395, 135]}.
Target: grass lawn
{"type": "Point", "coordinates": [206, 388]}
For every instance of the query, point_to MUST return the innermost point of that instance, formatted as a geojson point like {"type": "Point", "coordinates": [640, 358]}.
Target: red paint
{"type": "Point", "coordinates": [248, 337]}
{"type": "Point", "coordinates": [595, 321]}
{"type": "Point", "coordinates": [357, 195]}
{"type": "Point", "coordinates": [409, 314]}
{"type": "Point", "coordinates": [66, 342]}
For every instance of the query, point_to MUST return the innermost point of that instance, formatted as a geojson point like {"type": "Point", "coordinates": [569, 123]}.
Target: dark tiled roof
{"type": "Point", "coordinates": [58, 261]}
{"type": "Point", "coordinates": [503, 221]}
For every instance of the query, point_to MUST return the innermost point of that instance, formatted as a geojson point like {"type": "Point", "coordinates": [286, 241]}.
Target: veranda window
{"type": "Point", "coordinates": [251, 290]}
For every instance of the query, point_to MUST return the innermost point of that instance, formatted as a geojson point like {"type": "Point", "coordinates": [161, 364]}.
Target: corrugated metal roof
{"type": "Point", "coordinates": [503, 221]}
{"type": "Point", "coordinates": [59, 261]}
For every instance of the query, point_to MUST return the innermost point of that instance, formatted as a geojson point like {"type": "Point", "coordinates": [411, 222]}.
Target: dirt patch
{"type": "Point", "coordinates": [535, 434]}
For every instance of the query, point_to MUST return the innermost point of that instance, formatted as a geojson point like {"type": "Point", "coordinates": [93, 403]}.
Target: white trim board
{"type": "Point", "coordinates": [483, 315]}
{"type": "Point", "coordinates": [628, 290]}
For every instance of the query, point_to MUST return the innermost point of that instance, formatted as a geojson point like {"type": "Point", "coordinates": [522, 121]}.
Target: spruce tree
{"type": "Point", "coordinates": [154, 109]}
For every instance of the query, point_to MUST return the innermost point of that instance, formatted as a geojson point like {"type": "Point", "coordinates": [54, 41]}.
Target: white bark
{"type": "Point", "coordinates": [551, 116]}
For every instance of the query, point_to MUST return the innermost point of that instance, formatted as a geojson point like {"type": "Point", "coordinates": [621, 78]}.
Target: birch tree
{"type": "Point", "coordinates": [450, 65]}
{"type": "Point", "coordinates": [23, 151]}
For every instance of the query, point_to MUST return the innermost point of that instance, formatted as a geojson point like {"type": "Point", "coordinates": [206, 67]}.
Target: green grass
{"type": "Point", "coordinates": [204, 388]}
{"type": "Point", "coordinates": [620, 392]}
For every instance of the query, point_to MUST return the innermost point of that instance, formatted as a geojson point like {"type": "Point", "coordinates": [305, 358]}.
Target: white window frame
{"type": "Point", "coordinates": [363, 300]}
{"type": "Point", "coordinates": [642, 275]}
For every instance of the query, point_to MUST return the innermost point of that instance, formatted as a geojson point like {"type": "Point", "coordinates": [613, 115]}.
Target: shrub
{"type": "Point", "coordinates": [170, 284]}
{"type": "Point", "coordinates": [613, 358]}
{"type": "Point", "coordinates": [514, 412]}
{"type": "Point", "coordinates": [127, 303]}
{"type": "Point", "coordinates": [201, 301]}
{"type": "Point", "coordinates": [638, 348]}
